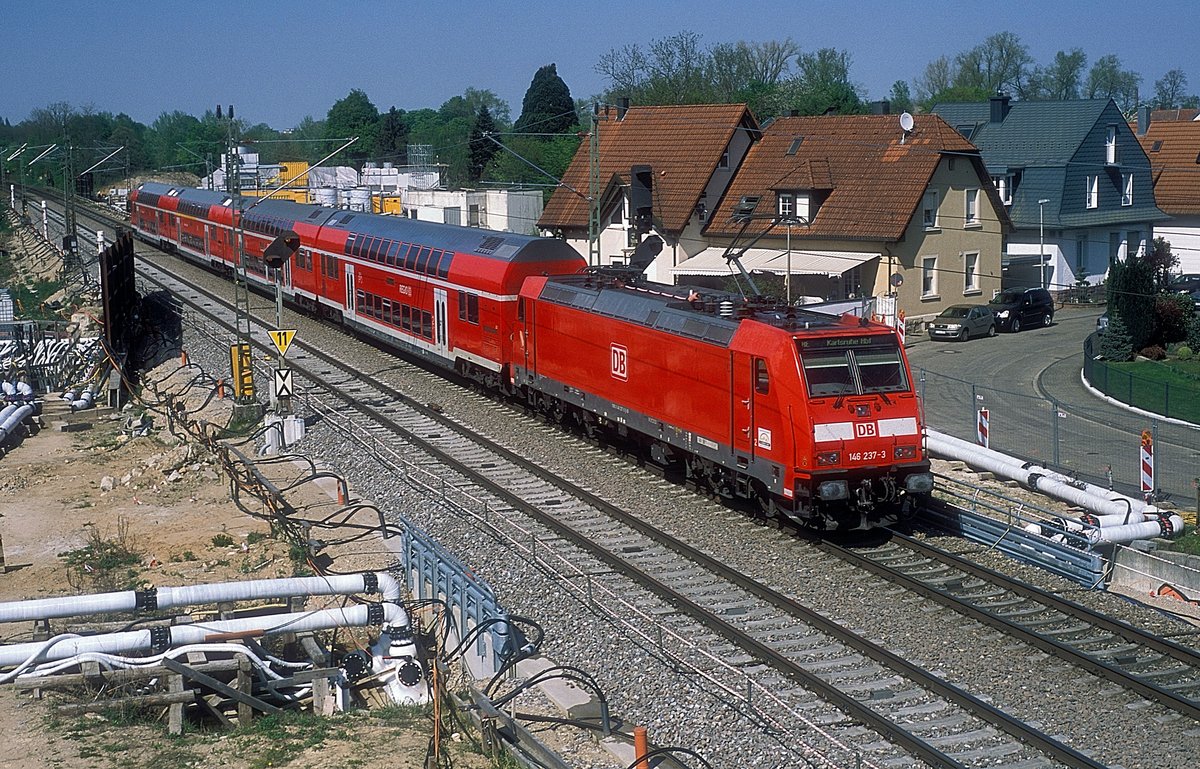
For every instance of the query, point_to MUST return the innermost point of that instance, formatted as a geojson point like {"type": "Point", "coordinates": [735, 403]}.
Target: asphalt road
{"type": "Point", "coordinates": [1039, 409]}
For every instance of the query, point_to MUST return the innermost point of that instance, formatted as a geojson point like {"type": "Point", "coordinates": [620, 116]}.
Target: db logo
{"type": "Point", "coordinates": [620, 362]}
{"type": "Point", "coordinates": [864, 430]}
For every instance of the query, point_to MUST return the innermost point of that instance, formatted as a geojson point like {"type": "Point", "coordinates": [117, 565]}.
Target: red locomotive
{"type": "Point", "coordinates": [811, 416]}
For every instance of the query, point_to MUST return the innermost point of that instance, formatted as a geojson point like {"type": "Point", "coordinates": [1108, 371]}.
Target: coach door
{"type": "Point", "coordinates": [439, 322]}
{"type": "Point", "coordinates": [349, 290]}
{"type": "Point", "coordinates": [742, 408]}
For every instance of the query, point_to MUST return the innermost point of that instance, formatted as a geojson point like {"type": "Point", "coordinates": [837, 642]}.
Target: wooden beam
{"type": "Point", "coordinates": [122, 676]}
{"type": "Point", "coordinates": [138, 701]}
{"type": "Point", "coordinates": [220, 688]}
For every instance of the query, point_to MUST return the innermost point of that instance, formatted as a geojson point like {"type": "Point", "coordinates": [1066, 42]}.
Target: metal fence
{"type": "Point", "coordinates": [1089, 440]}
{"type": "Point", "coordinates": [1177, 401]}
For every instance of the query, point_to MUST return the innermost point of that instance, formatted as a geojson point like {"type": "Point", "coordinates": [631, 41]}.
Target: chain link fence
{"type": "Point", "coordinates": [1081, 440]}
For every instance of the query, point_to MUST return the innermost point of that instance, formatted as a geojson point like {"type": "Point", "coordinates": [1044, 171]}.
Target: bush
{"type": "Point", "coordinates": [1115, 344]}
{"type": "Point", "coordinates": [1183, 352]}
{"type": "Point", "coordinates": [1153, 352]}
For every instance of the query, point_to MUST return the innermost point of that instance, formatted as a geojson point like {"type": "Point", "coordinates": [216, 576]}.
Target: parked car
{"type": "Point", "coordinates": [1018, 308]}
{"type": "Point", "coordinates": [963, 321]}
{"type": "Point", "coordinates": [1185, 283]}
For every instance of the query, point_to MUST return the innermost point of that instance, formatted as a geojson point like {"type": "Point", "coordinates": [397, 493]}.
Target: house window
{"type": "Point", "coordinates": [928, 276]}
{"type": "Point", "coordinates": [724, 161]}
{"type": "Point", "coordinates": [1110, 146]}
{"type": "Point", "coordinates": [787, 205]}
{"type": "Point", "coordinates": [1093, 191]}
{"type": "Point", "coordinates": [1004, 187]}
{"type": "Point", "coordinates": [970, 272]}
{"type": "Point", "coordinates": [929, 210]}
{"type": "Point", "coordinates": [1081, 251]}
{"type": "Point", "coordinates": [618, 214]}
{"type": "Point", "coordinates": [1114, 247]}
{"type": "Point", "coordinates": [972, 207]}
{"type": "Point", "coordinates": [1135, 246]}
{"type": "Point", "coordinates": [473, 218]}
{"type": "Point", "coordinates": [1127, 189]}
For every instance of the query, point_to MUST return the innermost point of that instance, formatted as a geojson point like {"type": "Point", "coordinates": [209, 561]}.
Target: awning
{"type": "Point", "coordinates": [711, 261]}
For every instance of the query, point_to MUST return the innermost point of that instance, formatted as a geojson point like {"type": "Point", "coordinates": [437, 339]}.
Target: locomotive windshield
{"type": "Point", "coordinates": [852, 365]}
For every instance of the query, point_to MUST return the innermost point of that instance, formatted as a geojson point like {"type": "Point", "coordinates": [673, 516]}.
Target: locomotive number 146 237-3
{"type": "Point", "coordinates": [868, 456]}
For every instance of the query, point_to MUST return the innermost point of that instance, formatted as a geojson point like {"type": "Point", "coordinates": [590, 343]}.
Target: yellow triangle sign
{"type": "Point", "coordinates": [282, 340]}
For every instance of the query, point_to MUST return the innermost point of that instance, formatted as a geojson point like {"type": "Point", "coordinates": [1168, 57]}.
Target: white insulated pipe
{"type": "Point", "coordinates": [172, 597]}
{"type": "Point", "coordinates": [1038, 478]}
{"type": "Point", "coordinates": [152, 639]}
{"type": "Point", "coordinates": [13, 420]}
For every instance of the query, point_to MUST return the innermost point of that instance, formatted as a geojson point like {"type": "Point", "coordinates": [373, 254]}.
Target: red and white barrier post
{"type": "Point", "coordinates": [900, 327]}
{"type": "Point", "coordinates": [1147, 462]}
{"type": "Point", "coordinates": [981, 428]}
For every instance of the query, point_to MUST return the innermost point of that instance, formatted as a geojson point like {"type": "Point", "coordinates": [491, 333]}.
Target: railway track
{"type": "Point", "coordinates": [1155, 667]}
{"type": "Point", "coordinates": [930, 718]}
{"type": "Point", "coordinates": [749, 622]}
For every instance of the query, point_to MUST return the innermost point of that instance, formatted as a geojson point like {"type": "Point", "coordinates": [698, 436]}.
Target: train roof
{"type": "Point", "coordinates": [493, 244]}
{"type": "Point", "coordinates": [711, 316]}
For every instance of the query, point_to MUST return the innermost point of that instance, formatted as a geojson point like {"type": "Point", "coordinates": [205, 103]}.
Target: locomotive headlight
{"type": "Point", "coordinates": [1002, 314]}
{"type": "Point", "coordinates": [919, 483]}
{"type": "Point", "coordinates": [831, 490]}
{"type": "Point", "coordinates": [906, 452]}
{"type": "Point", "coordinates": [827, 458]}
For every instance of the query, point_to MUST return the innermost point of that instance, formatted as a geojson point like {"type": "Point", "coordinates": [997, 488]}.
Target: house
{"type": "Point", "coordinates": [1075, 182]}
{"type": "Point", "coordinates": [852, 206]}
{"type": "Point", "coordinates": [686, 154]}
{"type": "Point", "coordinates": [1172, 142]}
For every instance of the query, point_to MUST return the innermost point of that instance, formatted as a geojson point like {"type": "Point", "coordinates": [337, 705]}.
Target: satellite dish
{"type": "Point", "coordinates": [906, 122]}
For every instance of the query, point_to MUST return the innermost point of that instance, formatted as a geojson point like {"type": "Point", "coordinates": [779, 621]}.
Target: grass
{"type": "Point", "coordinates": [1189, 543]}
{"type": "Point", "coordinates": [104, 563]}
{"type": "Point", "coordinates": [1170, 387]}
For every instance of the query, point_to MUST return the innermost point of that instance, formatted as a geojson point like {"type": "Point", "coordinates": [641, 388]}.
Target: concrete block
{"type": "Point", "coordinates": [74, 427]}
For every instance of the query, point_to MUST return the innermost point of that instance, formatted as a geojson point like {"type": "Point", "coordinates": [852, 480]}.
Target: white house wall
{"type": "Point", "coordinates": [1183, 233]}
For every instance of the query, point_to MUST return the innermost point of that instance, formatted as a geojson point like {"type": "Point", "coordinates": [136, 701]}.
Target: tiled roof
{"type": "Point", "coordinates": [1034, 133]}
{"type": "Point", "coordinates": [1183, 113]}
{"type": "Point", "coordinates": [874, 183]}
{"type": "Point", "coordinates": [682, 143]}
{"type": "Point", "coordinates": [1175, 165]}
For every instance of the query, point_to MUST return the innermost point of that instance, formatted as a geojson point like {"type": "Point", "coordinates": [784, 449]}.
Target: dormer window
{"type": "Point", "coordinates": [724, 161]}
{"type": "Point", "coordinates": [1110, 146]}
{"type": "Point", "coordinates": [1004, 187]}
{"type": "Point", "coordinates": [792, 206]}
{"type": "Point", "coordinates": [787, 205]}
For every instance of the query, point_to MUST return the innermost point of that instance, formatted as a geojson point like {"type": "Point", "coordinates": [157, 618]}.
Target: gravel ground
{"type": "Point", "coordinates": [677, 710]}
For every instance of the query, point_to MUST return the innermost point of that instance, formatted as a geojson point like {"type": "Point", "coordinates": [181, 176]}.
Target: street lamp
{"type": "Point", "coordinates": [1042, 242]}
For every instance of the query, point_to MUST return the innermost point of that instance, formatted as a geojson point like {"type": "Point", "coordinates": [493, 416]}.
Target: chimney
{"type": "Point", "coordinates": [999, 108]}
{"type": "Point", "coordinates": [1143, 118]}
{"type": "Point", "coordinates": [881, 107]}
{"type": "Point", "coordinates": [622, 107]}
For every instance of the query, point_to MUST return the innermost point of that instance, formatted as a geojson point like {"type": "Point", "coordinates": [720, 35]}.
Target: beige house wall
{"type": "Point", "coordinates": [949, 243]}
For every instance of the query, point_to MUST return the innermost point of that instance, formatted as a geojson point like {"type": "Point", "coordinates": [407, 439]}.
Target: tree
{"type": "Point", "coordinates": [822, 85]}
{"type": "Point", "coordinates": [1131, 297]}
{"type": "Point", "coordinates": [1162, 261]}
{"type": "Point", "coordinates": [1170, 92]}
{"type": "Point", "coordinates": [749, 72]}
{"type": "Point", "coordinates": [674, 70]}
{"type": "Point", "coordinates": [1115, 343]}
{"type": "Point", "coordinates": [353, 115]}
{"type": "Point", "coordinates": [1106, 80]}
{"type": "Point", "coordinates": [1000, 63]}
{"type": "Point", "coordinates": [1061, 80]}
{"type": "Point", "coordinates": [392, 141]}
{"type": "Point", "coordinates": [900, 97]}
{"type": "Point", "coordinates": [547, 107]}
{"type": "Point", "coordinates": [481, 148]}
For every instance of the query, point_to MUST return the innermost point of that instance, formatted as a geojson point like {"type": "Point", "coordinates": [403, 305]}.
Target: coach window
{"type": "Point", "coordinates": [762, 382]}
{"type": "Point", "coordinates": [427, 324]}
{"type": "Point", "coordinates": [360, 301]}
{"type": "Point", "coordinates": [410, 259]}
{"type": "Point", "coordinates": [443, 268]}
{"type": "Point", "coordinates": [387, 311]}
{"type": "Point", "coordinates": [405, 322]}
{"type": "Point", "coordinates": [423, 258]}
{"type": "Point", "coordinates": [393, 249]}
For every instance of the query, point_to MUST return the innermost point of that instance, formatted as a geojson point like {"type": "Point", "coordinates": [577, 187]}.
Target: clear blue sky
{"type": "Point", "coordinates": [280, 61]}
